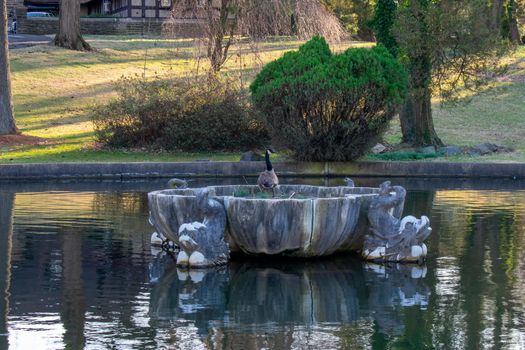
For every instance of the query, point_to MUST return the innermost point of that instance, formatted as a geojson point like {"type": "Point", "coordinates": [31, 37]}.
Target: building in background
{"type": "Point", "coordinates": [100, 8]}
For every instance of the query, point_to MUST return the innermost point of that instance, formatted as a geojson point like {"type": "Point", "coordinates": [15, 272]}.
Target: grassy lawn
{"type": "Point", "coordinates": [54, 88]}
{"type": "Point", "coordinates": [496, 115]}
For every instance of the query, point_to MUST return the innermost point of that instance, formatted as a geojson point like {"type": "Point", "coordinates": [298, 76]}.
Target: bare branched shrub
{"type": "Point", "coordinates": [314, 19]}
{"type": "Point", "coordinates": [179, 114]}
{"type": "Point", "coordinates": [221, 23]}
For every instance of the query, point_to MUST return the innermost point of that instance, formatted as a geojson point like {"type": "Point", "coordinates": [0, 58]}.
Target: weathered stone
{"type": "Point", "coordinates": [488, 148]}
{"type": "Point", "coordinates": [391, 238]}
{"type": "Point", "coordinates": [504, 149]}
{"type": "Point", "coordinates": [157, 239]}
{"type": "Point", "coordinates": [482, 149]}
{"type": "Point", "coordinates": [195, 223]}
{"type": "Point", "coordinates": [155, 170]}
{"type": "Point", "coordinates": [313, 226]}
{"type": "Point", "coordinates": [450, 151]}
{"type": "Point", "coordinates": [379, 148]}
{"type": "Point", "coordinates": [251, 156]}
{"type": "Point", "coordinates": [427, 150]}
{"type": "Point", "coordinates": [473, 152]}
{"type": "Point", "coordinates": [305, 221]}
{"type": "Point", "coordinates": [177, 183]}
{"type": "Point", "coordinates": [349, 182]}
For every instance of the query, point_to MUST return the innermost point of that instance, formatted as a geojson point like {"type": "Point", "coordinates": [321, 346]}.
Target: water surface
{"type": "Point", "coordinates": [77, 271]}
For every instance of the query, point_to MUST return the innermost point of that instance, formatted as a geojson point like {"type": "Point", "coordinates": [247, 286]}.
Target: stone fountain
{"type": "Point", "coordinates": [300, 221]}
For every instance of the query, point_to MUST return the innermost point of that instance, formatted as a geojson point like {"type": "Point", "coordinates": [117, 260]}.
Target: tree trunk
{"type": "Point", "coordinates": [220, 27]}
{"type": "Point", "coordinates": [7, 120]}
{"type": "Point", "coordinates": [406, 119]}
{"type": "Point", "coordinates": [417, 124]}
{"type": "Point", "coordinates": [497, 13]}
{"type": "Point", "coordinates": [424, 132]}
{"type": "Point", "coordinates": [514, 32]}
{"type": "Point", "coordinates": [68, 35]}
{"type": "Point", "coordinates": [366, 34]}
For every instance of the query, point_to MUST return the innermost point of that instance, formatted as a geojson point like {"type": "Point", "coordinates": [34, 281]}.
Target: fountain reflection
{"type": "Point", "coordinates": [258, 303]}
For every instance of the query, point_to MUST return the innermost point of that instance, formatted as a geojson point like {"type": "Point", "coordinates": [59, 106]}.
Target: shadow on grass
{"type": "Point", "coordinates": [86, 155]}
{"type": "Point", "coordinates": [101, 56]}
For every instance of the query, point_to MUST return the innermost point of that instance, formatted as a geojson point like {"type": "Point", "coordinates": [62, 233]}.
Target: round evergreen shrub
{"type": "Point", "coordinates": [189, 115]}
{"type": "Point", "coordinates": [329, 107]}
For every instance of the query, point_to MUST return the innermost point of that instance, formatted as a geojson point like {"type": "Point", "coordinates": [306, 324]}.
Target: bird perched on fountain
{"type": "Point", "coordinates": [268, 179]}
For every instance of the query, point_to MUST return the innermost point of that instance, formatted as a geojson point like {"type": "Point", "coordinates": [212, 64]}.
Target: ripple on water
{"type": "Point", "coordinates": [80, 269]}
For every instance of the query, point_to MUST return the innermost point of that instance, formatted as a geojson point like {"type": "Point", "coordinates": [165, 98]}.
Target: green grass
{"type": "Point", "coordinates": [53, 90]}
{"type": "Point", "coordinates": [402, 156]}
{"type": "Point", "coordinates": [496, 115]}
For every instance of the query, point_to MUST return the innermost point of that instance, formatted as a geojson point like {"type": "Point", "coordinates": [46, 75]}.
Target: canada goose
{"type": "Point", "coordinates": [267, 179]}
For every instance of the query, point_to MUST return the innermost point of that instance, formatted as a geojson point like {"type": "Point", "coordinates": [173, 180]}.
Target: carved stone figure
{"type": "Point", "coordinates": [391, 238]}
{"type": "Point", "coordinates": [177, 183]}
{"type": "Point", "coordinates": [202, 244]}
{"type": "Point", "coordinates": [349, 182]}
{"type": "Point", "coordinates": [305, 221]}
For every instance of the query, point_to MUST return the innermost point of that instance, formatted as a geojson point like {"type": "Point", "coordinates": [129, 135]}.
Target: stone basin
{"type": "Point", "coordinates": [302, 221]}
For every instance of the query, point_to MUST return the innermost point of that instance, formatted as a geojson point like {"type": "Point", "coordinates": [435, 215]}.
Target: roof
{"type": "Point", "coordinates": [51, 2]}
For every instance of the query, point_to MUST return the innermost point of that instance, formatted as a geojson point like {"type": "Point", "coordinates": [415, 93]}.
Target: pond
{"type": "Point", "coordinates": [76, 262]}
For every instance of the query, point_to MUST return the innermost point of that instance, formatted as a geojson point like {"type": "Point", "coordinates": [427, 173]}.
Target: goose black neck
{"type": "Point", "coordinates": [269, 166]}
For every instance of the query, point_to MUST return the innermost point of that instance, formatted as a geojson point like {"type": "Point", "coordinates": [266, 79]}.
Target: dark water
{"type": "Point", "coordinates": [77, 271]}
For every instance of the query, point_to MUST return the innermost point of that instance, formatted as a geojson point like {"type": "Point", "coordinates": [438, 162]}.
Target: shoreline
{"type": "Point", "coordinates": [146, 170]}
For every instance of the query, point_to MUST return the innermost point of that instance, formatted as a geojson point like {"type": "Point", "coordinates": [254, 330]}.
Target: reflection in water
{"type": "Point", "coordinates": [74, 305]}
{"type": "Point", "coordinates": [6, 231]}
{"type": "Point", "coordinates": [268, 302]}
{"type": "Point", "coordinates": [78, 265]}
{"type": "Point", "coordinates": [481, 302]}
{"type": "Point", "coordinates": [75, 267]}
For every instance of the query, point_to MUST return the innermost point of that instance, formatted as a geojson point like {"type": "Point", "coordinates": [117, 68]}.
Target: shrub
{"type": "Point", "coordinates": [329, 107]}
{"type": "Point", "coordinates": [196, 115]}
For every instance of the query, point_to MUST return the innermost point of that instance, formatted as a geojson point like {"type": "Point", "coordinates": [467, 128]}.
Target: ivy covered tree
{"type": "Point", "coordinates": [384, 17]}
{"type": "Point", "coordinates": [446, 46]}
{"type": "Point", "coordinates": [509, 20]}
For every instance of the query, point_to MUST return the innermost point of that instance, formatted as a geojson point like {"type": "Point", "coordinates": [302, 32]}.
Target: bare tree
{"type": "Point", "coordinates": [68, 35]}
{"type": "Point", "coordinates": [224, 22]}
{"type": "Point", "coordinates": [7, 121]}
